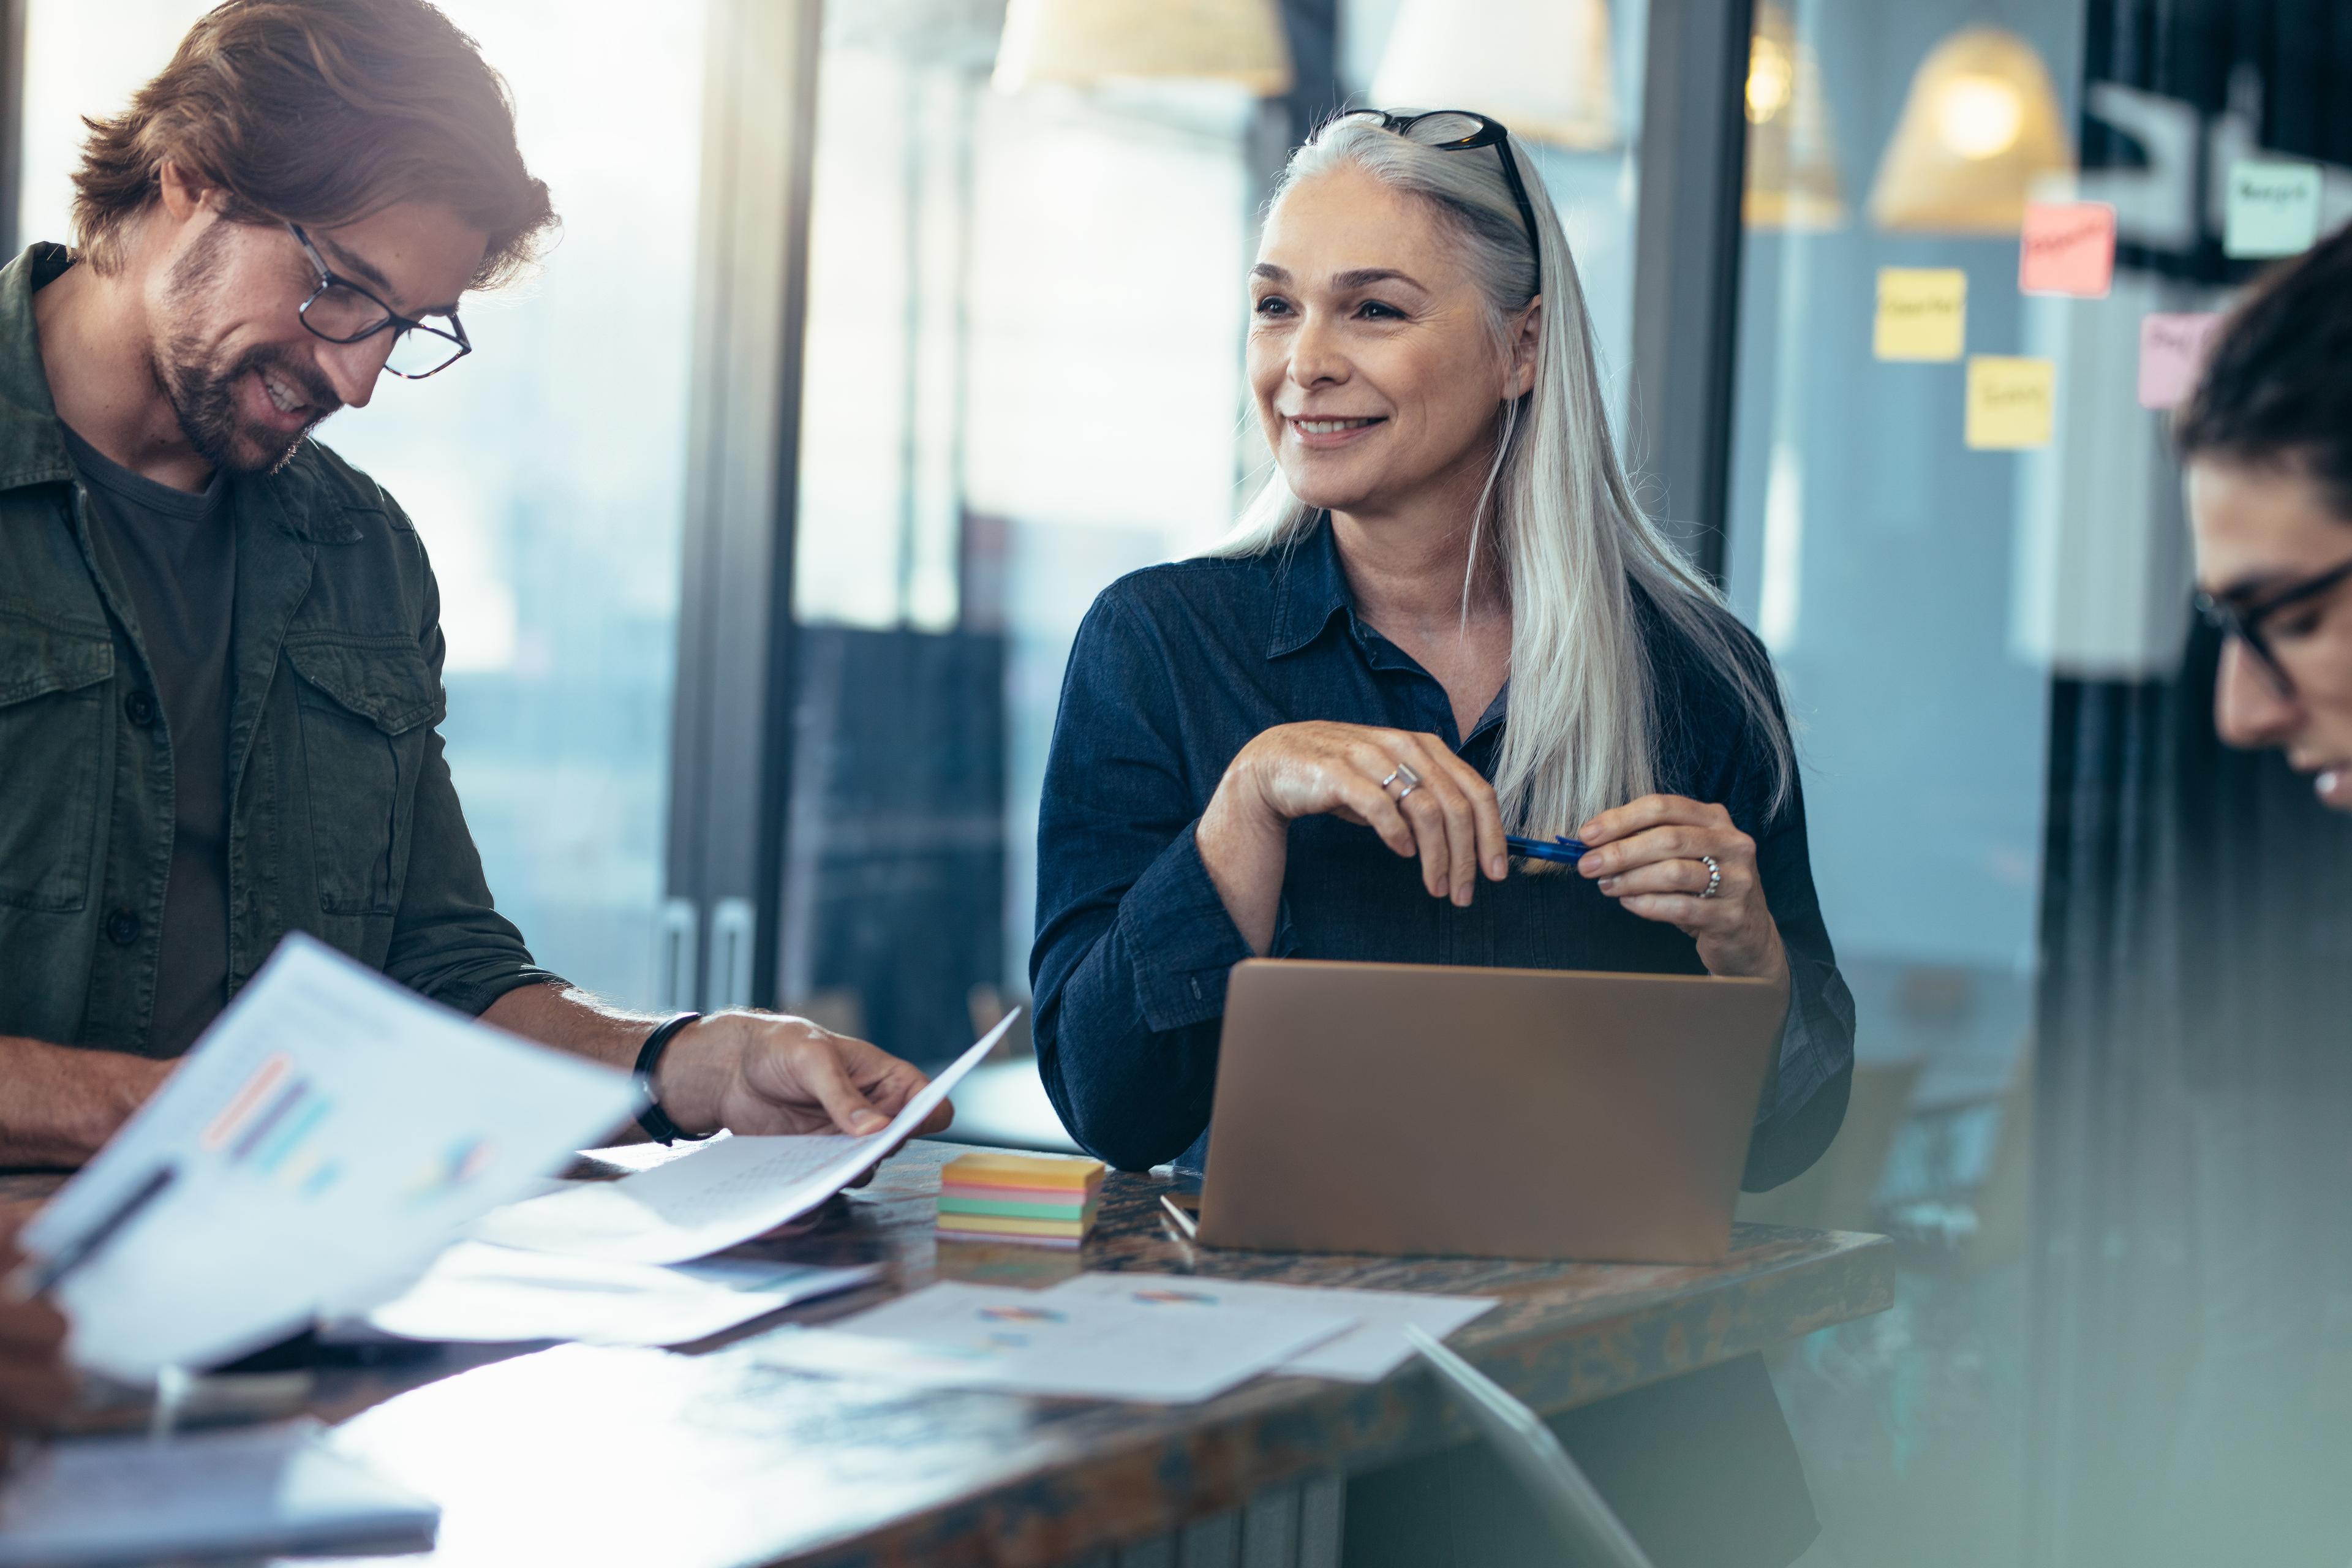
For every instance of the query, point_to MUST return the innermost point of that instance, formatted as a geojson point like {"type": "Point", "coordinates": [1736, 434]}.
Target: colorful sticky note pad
{"type": "Point", "coordinates": [2012, 402]}
{"type": "Point", "coordinates": [2171, 354]}
{"type": "Point", "coordinates": [2067, 247]}
{"type": "Point", "coordinates": [1922, 313]}
{"type": "Point", "coordinates": [2274, 208]}
{"type": "Point", "coordinates": [1036, 1200]}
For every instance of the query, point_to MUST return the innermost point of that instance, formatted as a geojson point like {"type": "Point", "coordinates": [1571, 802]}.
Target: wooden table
{"type": "Point", "coordinates": [587, 1457]}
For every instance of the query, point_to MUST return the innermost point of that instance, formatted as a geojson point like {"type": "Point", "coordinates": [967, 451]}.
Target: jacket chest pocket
{"type": "Point", "coordinates": [53, 714]}
{"type": "Point", "coordinates": [367, 712]}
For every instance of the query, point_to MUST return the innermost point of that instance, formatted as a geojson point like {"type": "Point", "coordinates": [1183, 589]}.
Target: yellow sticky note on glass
{"type": "Point", "coordinates": [1923, 312]}
{"type": "Point", "coordinates": [2012, 402]}
{"type": "Point", "coordinates": [2274, 208]}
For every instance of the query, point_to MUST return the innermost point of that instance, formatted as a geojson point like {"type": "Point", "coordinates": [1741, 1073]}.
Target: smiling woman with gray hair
{"type": "Point", "coordinates": [1443, 620]}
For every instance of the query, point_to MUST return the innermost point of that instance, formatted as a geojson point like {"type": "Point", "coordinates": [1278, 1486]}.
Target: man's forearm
{"type": "Point", "coordinates": [58, 1105]}
{"type": "Point", "coordinates": [571, 1020]}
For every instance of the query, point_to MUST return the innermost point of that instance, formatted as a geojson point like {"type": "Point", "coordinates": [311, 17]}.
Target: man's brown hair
{"type": "Point", "coordinates": [322, 112]}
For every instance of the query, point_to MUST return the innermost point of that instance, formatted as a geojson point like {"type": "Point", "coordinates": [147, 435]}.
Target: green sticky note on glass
{"type": "Point", "coordinates": [2274, 208]}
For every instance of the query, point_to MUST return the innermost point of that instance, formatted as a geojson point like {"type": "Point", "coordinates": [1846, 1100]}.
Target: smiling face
{"type": "Point", "coordinates": [1376, 371]}
{"type": "Point", "coordinates": [2259, 531]}
{"type": "Point", "coordinates": [245, 378]}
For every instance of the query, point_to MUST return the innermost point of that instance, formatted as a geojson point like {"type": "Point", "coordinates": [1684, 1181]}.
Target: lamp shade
{"type": "Point", "coordinates": [1540, 67]}
{"type": "Point", "coordinates": [1792, 167]}
{"type": "Point", "coordinates": [1980, 128]}
{"type": "Point", "coordinates": [1087, 42]}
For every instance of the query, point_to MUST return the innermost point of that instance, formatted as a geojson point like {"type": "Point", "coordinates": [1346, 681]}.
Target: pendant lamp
{"type": "Point", "coordinates": [1792, 167]}
{"type": "Point", "coordinates": [1084, 43]}
{"type": "Point", "coordinates": [1540, 67]}
{"type": "Point", "coordinates": [1979, 129]}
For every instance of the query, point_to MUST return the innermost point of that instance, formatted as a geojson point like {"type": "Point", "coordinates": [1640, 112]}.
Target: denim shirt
{"type": "Point", "coordinates": [1178, 666]}
{"type": "Point", "coordinates": [343, 819]}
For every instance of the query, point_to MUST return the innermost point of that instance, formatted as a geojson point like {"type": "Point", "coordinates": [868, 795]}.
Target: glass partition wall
{"type": "Point", "coordinates": [546, 473]}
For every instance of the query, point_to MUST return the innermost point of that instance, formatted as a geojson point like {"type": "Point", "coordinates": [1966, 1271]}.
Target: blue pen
{"type": "Point", "coordinates": [1564, 849]}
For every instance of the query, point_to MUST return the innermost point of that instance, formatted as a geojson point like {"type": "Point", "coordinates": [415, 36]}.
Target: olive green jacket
{"type": "Point", "coordinates": [343, 819]}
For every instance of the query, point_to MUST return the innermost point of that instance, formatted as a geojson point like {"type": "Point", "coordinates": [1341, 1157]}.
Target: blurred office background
{"type": "Point", "coordinates": [881, 335]}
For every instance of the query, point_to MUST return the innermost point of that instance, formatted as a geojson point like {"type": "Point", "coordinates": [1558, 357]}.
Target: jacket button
{"type": "Point", "coordinates": [140, 709]}
{"type": "Point", "coordinates": [122, 928]}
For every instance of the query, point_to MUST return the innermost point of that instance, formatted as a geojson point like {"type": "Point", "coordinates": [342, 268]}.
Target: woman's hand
{"type": "Point", "coordinates": [1648, 856]}
{"type": "Point", "coordinates": [1448, 818]}
{"type": "Point", "coordinates": [1366, 775]}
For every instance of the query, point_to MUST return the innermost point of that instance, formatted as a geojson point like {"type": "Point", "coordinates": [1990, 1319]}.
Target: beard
{"type": "Point", "coordinates": [202, 384]}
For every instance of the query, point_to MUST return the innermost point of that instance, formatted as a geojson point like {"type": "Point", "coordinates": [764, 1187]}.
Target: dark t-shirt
{"type": "Point", "coordinates": [174, 555]}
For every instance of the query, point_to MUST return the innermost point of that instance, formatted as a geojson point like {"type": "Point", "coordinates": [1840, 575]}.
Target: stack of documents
{"type": "Point", "coordinates": [725, 1192]}
{"type": "Point", "coordinates": [478, 1294]}
{"type": "Point", "coordinates": [1372, 1349]}
{"type": "Point", "coordinates": [1038, 1200]}
{"type": "Point", "coordinates": [1028, 1341]}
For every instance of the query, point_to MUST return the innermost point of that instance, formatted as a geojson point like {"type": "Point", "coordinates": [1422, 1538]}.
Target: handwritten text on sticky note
{"type": "Point", "coordinates": [2012, 402]}
{"type": "Point", "coordinates": [2274, 208]}
{"type": "Point", "coordinates": [2171, 354]}
{"type": "Point", "coordinates": [2067, 247]}
{"type": "Point", "coordinates": [1922, 313]}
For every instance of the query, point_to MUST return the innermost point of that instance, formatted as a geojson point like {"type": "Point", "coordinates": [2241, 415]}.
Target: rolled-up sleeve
{"type": "Point", "coordinates": [1133, 943]}
{"type": "Point", "coordinates": [448, 941]}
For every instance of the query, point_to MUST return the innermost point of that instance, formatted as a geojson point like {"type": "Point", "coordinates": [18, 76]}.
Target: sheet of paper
{"type": "Point", "coordinates": [2273, 209]}
{"type": "Point", "coordinates": [2172, 354]}
{"type": "Point", "coordinates": [2067, 247]}
{"type": "Point", "coordinates": [970, 1336]}
{"type": "Point", "coordinates": [330, 1130]}
{"type": "Point", "coordinates": [2012, 402]}
{"type": "Point", "coordinates": [1923, 313]}
{"type": "Point", "coordinates": [725, 1192]}
{"type": "Point", "coordinates": [248, 1491]}
{"type": "Point", "coordinates": [478, 1294]}
{"type": "Point", "coordinates": [1368, 1353]}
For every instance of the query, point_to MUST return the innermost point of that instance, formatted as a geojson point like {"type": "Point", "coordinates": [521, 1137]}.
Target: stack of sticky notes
{"type": "Point", "coordinates": [1038, 1200]}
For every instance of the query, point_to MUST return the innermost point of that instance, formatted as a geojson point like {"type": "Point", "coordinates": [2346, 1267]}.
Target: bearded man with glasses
{"type": "Point", "coordinates": [220, 645]}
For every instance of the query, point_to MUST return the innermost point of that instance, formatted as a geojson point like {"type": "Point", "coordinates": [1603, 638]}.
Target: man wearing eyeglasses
{"type": "Point", "coordinates": [220, 649]}
{"type": "Point", "coordinates": [2267, 443]}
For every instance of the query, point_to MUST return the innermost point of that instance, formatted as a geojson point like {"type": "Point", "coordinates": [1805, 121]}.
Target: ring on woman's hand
{"type": "Point", "coordinates": [1411, 780]}
{"type": "Point", "coordinates": [1714, 877]}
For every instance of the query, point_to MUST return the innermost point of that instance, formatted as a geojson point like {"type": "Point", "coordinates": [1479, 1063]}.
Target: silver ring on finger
{"type": "Point", "coordinates": [1714, 877]}
{"type": "Point", "coordinates": [1406, 791]}
{"type": "Point", "coordinates": [1411, 780]}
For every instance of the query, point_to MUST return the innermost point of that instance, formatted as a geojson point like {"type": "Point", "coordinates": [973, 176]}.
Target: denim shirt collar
{"type": "Point", "coordinates": [1310, 588]}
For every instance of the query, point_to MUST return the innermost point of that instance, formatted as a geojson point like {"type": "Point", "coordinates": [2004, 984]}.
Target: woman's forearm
{"type": "Point", "coordinates": [1246, 852]}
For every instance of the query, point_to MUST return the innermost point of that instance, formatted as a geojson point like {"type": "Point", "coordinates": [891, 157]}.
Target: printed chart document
{"type": "Point", "coordinates": [331, 1129]}
{"type": "Point", "coordinates": [1368, 1353]}
{"type": "Point", "coordinates": [478, 1294]}
{"type": "Point", "coordinates": [249, 1491]}
{"type": "Point", "coordinates": [1027, 1342]}
{"type": "Point", "coordinates": [727, 1193]}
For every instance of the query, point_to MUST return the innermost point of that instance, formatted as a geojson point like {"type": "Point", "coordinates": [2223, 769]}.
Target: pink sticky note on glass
{"type": "Point", "coordinates": [2067, 247]}
{"type": "Point", "coordinates": [2172, 354]}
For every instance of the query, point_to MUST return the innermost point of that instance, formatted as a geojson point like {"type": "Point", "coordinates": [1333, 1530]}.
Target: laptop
{"type": "Point", "coordinates": [1406, 1110]}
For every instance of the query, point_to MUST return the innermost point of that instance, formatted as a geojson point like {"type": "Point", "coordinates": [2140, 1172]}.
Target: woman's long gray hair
{"type": "Point", "coordinates": [1569, 540]}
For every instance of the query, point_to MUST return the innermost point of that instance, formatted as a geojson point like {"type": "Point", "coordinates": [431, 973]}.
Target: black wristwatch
{"type": "Point", "coordinates": [653, 1118]}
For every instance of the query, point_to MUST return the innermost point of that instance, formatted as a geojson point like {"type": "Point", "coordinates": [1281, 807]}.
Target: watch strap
{"type": "Point", "coordinates": [653, 1118]}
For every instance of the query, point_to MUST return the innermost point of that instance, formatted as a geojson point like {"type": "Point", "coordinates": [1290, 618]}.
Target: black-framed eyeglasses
{"type": "Point", "coordinates": [2245, 622]}
{"type": "Point", "coordinates": [1473, 130]}
{"type": "Point", "coordinates": [343, 312]}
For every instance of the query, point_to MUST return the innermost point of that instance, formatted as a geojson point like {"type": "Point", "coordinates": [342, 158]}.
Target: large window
{"type": "Point", "coordinates": [546, 472]}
